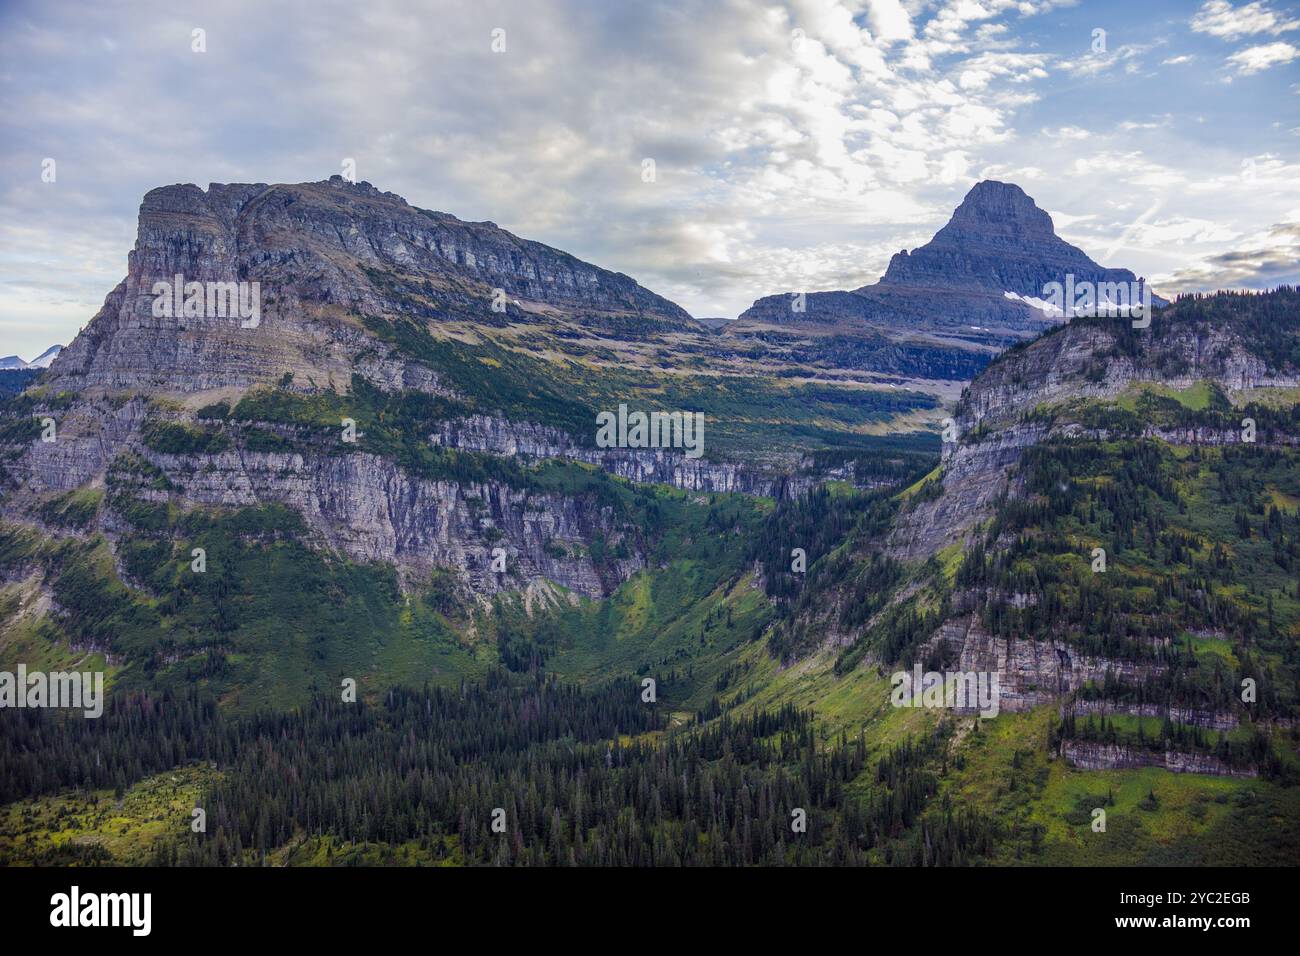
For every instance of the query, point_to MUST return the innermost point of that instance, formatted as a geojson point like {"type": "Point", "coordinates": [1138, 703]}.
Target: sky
{"type": "Point", "coordinates": [795, 145]}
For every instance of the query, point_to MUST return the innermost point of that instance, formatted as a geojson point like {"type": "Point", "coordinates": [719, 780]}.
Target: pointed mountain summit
{"type": "Point", "coordinates": [999, 241]}
{"type": "Point", "coordinates": [978, 280]}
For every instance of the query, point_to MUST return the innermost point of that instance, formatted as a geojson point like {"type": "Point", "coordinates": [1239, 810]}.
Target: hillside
{"type": "Point", "coordinates": [1108, 536]}
{"type": "Point", "coordinates": [500, 585]}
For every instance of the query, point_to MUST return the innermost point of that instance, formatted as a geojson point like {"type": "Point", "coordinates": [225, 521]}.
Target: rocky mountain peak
{"type": "Point", "coordinates": [981, 281]}
{"type": "Point", "coordinates": [999, 206]}
{"type": "Point", "coordinates": [324, 256]}
{"type": "Point", "coordinates": [998, 240]}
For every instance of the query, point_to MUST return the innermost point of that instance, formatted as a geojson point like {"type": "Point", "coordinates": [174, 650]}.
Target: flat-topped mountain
{"type": "Point", "coordinates": [413, 391]}
{"type": "Point", "coordinates": [321, 254]}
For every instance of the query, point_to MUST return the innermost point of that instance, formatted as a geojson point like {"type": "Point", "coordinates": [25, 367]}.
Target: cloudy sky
{"type": "Point", "coordinates": [795, 145]}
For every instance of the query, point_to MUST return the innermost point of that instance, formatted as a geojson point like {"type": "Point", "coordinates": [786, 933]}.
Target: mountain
{"type": "Point", "coordinates": [1097, 435]}
{"type": "Point", "coordinates": [1179, 381]}
{"type": "Point", "coordinates": [321, 252]}
{"type": "Point", "coordinates": [974, 288]}
{"type": "Point", "coordinates": [353, 281]}
{"type": "Point", "coordinates": [19, 374]}
{"type": "Point", "coordinates": [45, 359]}
{"type": "Point", "coordinates": [997, 241]}
{"type": "Point", "coordinates": [383, 480]}
{"type": "Point", "coordinates": [14, 363]}
{"type": "Point", "coordinates": [380, 419]}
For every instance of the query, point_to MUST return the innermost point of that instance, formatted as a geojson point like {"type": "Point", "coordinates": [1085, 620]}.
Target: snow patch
{"type": "Point", "coordinates": [1040, 304]}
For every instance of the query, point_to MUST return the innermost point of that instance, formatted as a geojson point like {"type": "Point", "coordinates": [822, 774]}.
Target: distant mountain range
{"type": "Point", "coordinates": [939, 314]}
{"type": "Point", "coordinates": [12, 363]}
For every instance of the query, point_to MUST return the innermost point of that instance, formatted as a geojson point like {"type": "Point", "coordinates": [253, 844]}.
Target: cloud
{"type": "Point", "coordinates": [1094, 64]}
{"type": "Point", "coordinates": [1255, 59]}
{"type": "Point", "coordinates": [1263, 261]}
{"type": "Point", "coordinates": [1160, 122]}
{"type": "Point", "coordinates": [782, 157]}
{"type": "Point", "coordinates": [1067, 132]}
{"type": "Point", "coordinates": [1221, 19]}
{"type": "Point", "coordinates": [855, 125]}
{"type": "Point", "coordinates": [889, 20]}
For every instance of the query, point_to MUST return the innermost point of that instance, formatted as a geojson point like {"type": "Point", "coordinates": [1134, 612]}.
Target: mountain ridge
{"type": "Point", "coordinates": [320, 252]}
{"type": "Point", "coordinates": [237, 547]}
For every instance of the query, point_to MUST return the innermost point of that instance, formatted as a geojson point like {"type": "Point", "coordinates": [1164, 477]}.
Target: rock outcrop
{"type": "Point", "coordinates": [1030, 673]}
{"type": "Point", "coordinates": [1087, 755]}
{"type": "Point", "coordinates": [484, 433]}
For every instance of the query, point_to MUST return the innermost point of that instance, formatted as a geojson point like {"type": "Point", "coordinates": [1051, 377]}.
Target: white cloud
{"type": "Point", "coordinates": [1067, 132]}
{"type": "Point", "coordinates": [1255, 59]}
{"type": "Point", "coordinates": [889, 20]}
{"type": "Point", "coordinates": [1181, 230]}
{"type": "Point", "coordinates": [1093, 64]}
{"type": "Point", "coordinates": [1160, 122]}
{"type": "Point", "coordinates": [1221, 19]}
{"type": "Point", "coordinates": [773, 162]}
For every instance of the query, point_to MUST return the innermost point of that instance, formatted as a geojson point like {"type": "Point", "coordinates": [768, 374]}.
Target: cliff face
{"type": "Point", "coordinates": [973, 476]}
{"type": "Point", "coordinates": [322, 255]}
{"type": "Point", "coordinates": [497, 436]}
{"type": "Point", "coordinates": [1030, 673]}
{"type": "Point", "coordinates": [1087, 755]}
{"type": "Point", "coordinates": [327, 258]}
{"type": "Point", "coordinates": [361, 505]}
{"type": "Point", "coordinates": [367, 508]}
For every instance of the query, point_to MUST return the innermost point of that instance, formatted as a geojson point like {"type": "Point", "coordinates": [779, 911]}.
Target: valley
{"type": "Point", "coordinates": [880, 487]}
